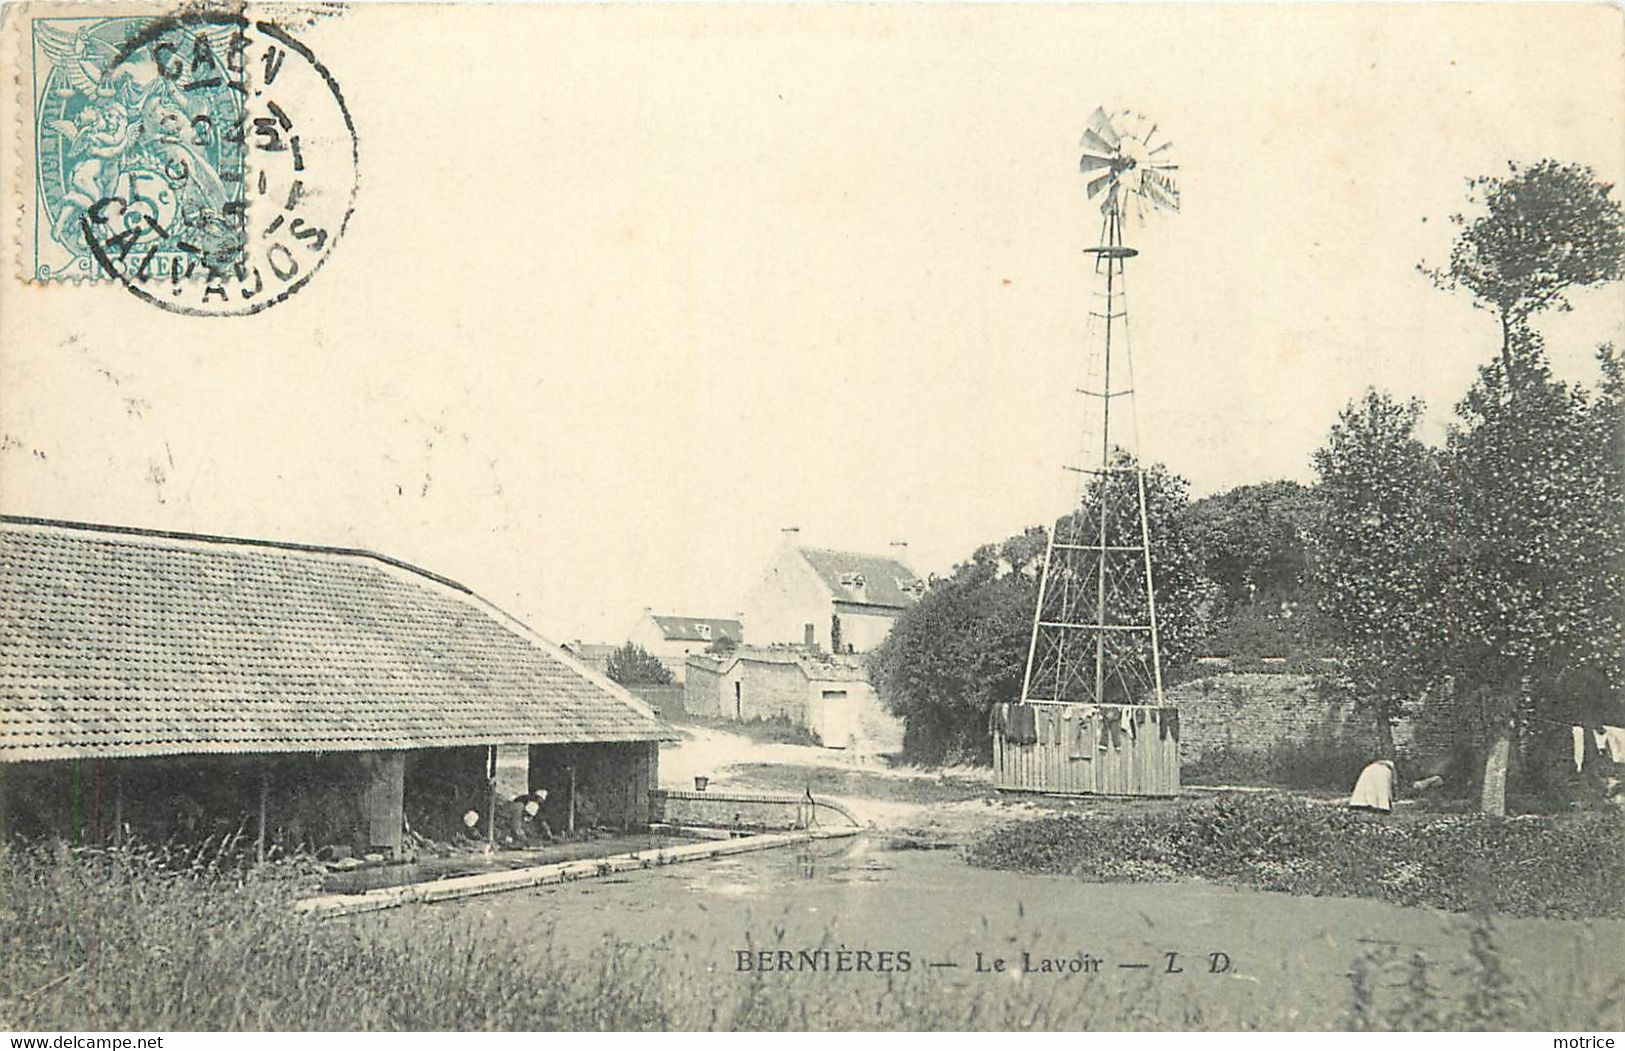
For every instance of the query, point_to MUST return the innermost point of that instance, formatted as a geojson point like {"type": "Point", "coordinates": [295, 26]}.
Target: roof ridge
{"type": "Point", "coordinates": [854, 554]}
{"type": "Point", "coordinates": [217, 538]}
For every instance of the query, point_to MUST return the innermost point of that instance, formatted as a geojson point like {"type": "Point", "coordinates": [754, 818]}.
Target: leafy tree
{"type": "Point", "coordinates": [1253, 540]}
{"type": "Point", "coordinates": [724, 645]}
{"type": "Point", "coordinates": [957, 652]}
{"type": "Point", "coordinates": [1538, 486]}
{"type": "Point", "coordinates": [1542, 230]}
{"type": "Point", "coordinates": [632, 665]}
{"type": "Point", "coordinates": [1380, 556]}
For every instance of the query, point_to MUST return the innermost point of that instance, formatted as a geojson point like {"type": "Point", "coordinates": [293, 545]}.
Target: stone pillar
{"type": "Point", "coordinates": [512, 770]}
{"type": "Point", "coordinates": [383, 798]}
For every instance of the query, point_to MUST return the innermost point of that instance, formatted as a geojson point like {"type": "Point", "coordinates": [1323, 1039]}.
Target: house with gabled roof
{"type": "Point", "coordinates": [163, 682]}
{"type": "Point", "coordinates": [673, 638]}
{"type": "Point", "coordinates": [836, 601]}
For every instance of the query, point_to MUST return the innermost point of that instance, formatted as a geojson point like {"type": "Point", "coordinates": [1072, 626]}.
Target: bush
{"type": "Point", "coordinates": [1565, 866]}
{"type": "Point", "coordinates": [1314, 765]}
{"type": "Point", "coordinates": [632, 665]}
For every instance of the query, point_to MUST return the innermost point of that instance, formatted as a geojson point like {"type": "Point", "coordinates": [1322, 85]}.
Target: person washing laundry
{"type": "Point", "coordinates": [523, 821]}
{"type": "Point", "coordinates": [1375, 788]}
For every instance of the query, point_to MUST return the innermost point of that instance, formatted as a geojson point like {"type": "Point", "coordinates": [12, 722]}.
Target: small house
{"type": "Point", "coordinates": [836, 601]}
{"type": "Point", "coordinates": [673, 639]}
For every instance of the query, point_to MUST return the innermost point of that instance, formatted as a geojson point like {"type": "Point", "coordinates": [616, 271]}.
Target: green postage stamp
{"type": "Point", "coordinates": [205, 160]}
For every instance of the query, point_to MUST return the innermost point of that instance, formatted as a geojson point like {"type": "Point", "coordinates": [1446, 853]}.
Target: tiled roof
{"type": "Point", "coordinates": [864, 580]}
{"type": "Point", "coordinates": [698, 629]}
{"type": "Point", "coordinates": [814, 666]}
{"type": "Point", "coordinates": [124, 642]}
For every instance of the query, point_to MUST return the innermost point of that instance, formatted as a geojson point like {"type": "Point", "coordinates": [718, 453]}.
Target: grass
{"type": "Point", "coordinates": [131, 940]}
{"type": "Point", "coordinates": [1532, 866]}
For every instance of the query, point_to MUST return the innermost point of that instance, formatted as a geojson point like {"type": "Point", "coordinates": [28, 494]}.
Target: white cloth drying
{"type": "Point", "coordinates": [1611, 742]}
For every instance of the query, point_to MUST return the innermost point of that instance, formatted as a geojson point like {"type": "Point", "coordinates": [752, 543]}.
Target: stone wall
{"type": "Point", "coordinates": [667, 701]}
{"type": "Point", "coordinates": [1257, 713]}
{"type": "Point", "coordinates": [722, 809]}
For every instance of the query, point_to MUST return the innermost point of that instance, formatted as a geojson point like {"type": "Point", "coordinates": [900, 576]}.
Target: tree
{"type": "Point", "coordinates": [632, 665]}
{"type": "Point", "coordinates": [1538, 485]}
{"type": "Point", "coordinates": [958, 651]}
{"type": "Point", "coordinates": [1253, 540]}
{"type": "Point", "coordinates": [1253, 543]}
{"type": "Point", "coordinates": [1543, 230]}
{"type": "Point", "coordinates": [1380, 556]}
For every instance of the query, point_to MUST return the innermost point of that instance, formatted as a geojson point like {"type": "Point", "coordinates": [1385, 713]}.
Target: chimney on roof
{"type": "Point", "coordinates": [792, 535]}
{"type": "Point", "coordinates": [899, 546]}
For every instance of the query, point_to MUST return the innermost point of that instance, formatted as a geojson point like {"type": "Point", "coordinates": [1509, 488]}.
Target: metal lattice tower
{"type": "Point", "coordinates": [1094, 638]}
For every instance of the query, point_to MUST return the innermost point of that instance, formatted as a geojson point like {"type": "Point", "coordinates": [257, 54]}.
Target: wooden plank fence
{"type": "Point", "coordinates": [1085, 749]}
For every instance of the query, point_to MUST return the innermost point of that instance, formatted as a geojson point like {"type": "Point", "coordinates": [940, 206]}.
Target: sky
{"type": "Point", "coordinates": [627, 289]}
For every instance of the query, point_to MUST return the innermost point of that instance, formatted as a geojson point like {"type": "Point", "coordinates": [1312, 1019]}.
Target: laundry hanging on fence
{"type": "Point", "coordinates": [1108, 726]}
{"type": "Point", "coordinates": [1023, 725]}
{"type": "Point", "coordinates": [1170, 722]}
{"type": "Point", "coordinates": [1083, 736]}
{"type": "Point", "coordinates": [1579, 748]}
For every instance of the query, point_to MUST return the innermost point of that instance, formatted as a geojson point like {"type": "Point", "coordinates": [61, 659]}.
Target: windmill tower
{"type": "Point", "coordinates": [1094, 638]}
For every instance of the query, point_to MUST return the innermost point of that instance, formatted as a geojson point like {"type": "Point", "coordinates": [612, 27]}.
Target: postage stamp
{"type": "Point", "coordinates": [205, 161]}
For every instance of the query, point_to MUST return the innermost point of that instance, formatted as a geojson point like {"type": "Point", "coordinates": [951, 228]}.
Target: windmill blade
{"type": "Point", "coordinates": [1090, 162]}
{"type": "Point", "coordinates": [1099, 182]}
{"type": "Point", "coordinates": [1098, 145]}
{"type": "Point", "coordinates": [1159, 149]}
{"type": "Point", "coordinates": [1161, 199]}
{"type": "Point", "coordinates": [1162, 194]}
{"type": "Point", "coordinates": [1101, 125]}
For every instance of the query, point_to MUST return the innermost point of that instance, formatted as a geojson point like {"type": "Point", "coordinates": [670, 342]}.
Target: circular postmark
{"type": "Point", "coordinates": [214, 168]}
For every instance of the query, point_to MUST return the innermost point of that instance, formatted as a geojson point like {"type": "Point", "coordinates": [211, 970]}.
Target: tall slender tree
{"type": "Point", "coordinates": [1380, 555]}
{"type": "Point", "coordinates": [1539, 232]}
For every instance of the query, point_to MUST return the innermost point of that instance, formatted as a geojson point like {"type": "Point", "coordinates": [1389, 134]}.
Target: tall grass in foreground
{"type": "Point", "coordinates": [123, 940]}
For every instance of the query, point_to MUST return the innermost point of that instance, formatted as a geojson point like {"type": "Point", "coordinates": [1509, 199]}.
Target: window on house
{"type": "Point", "coordinates": [705, 632]}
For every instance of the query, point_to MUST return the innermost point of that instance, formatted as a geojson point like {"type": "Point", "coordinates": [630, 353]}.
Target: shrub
{"type": "Point", "coordinates": [1564, 866]}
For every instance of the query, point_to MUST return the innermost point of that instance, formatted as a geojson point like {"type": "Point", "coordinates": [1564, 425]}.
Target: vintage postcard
{"type": "Point", "coordinates": [787, 517]}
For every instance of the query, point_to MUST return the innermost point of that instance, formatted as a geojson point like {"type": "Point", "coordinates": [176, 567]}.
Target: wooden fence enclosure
{"type": "Point", "coordinates": [1086, 749]}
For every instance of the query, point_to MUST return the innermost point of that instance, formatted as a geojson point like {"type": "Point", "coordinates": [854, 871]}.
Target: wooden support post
{"type": "Point", "coordinates": [118, 804]}
{"type": "Point", "coordinates": [5, 807]}
{"type": "Point", "coordinates": [491, 797]}
{"type": "Point", "coordinates": [265, 792]}
{"type": "Point", "coordinates": [571, 822]}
